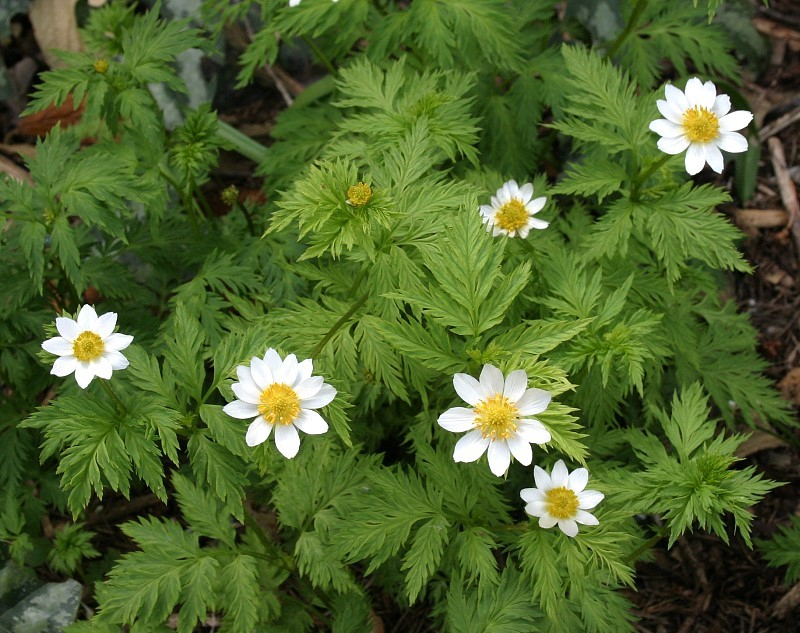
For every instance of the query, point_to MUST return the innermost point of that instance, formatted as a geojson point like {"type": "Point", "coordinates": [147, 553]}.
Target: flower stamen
{"type": "Point", "coordinates": [87, 346]}
{"type": "Point", "coordinates": [701, 125]}
{"type": "Point", "coordinates": [279, 404]}
{"type": "Point", "coordinates": [512, 216]}
{"type": "Point", "coordinates": [496, 417]}
{"type": "Point", "coordinates": [562, 503]}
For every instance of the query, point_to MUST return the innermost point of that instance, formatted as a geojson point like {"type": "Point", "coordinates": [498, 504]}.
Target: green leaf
{"type": "Point", "coordinates": [221, 470]}
{"type": "Point", "coordinates": [240, 585]}
{"type": "Point", "coordinates": [202, 511]}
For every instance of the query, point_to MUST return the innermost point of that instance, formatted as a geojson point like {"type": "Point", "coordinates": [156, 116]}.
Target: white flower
{"type": "Point", "coordinates": [500, 420]}
{"type": "Point", "coordinates": [561, 498]}
{"type": "Point", "coordinates": [87, 346]}
{"type": "Point", "coordinates": [280, 394]}
{"type": "Point", "coordinates": [700, 122]}
{"type": "Point", "coordinates": [512, 211]}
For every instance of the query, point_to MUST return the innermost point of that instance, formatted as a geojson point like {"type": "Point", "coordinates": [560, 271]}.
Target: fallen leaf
{"type": "Point", "coordinates": [55, 26]}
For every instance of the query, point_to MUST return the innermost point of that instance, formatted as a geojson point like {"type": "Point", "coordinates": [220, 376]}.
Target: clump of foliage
{"type": "Point", "coordinates": [370, 257]}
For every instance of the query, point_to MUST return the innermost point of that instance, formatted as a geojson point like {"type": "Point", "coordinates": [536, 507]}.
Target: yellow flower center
{"type": "Point", "coordinates": [496, 417]}
{"type": "Point", "coordinates": [279, 404]}
{"type": "Point", "coordinates": [358, 195]}
{"type": "Point", "coordinates": [701, 125]}
{"type": "Point", "coordinates": [87, 346]}
{"type": "Point", "coordinates": [100, 65]}
{"type": "Point", "coordinates": [562, 503]}
{"type": "Point", "coordinates": [512, 216]}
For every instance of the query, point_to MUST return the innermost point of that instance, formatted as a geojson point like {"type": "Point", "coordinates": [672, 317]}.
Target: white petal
{"type": "Point", "coordinates": [559, 475]}
{"type": "Point", "coordinates": [525, 192]}
{"type": "Point", "coordinates": [735, 121]}
{"type": "Point", "coordinates": [732, 142]}
{"type": "Point", "coordinates": [64, 366]}
{"type": "Point", "coordinates": [722, 105]}
{"type": "Point", "coordinates": [87, 318]}
{"type": "Point", "coordinates": [516, 382]}
{"type": "Point", "coordinates": [532, 495]}
{"type": "Point", "coordinates": [67, 328]}
{"type": "Point", "coordinates": [568, 527]}
{"type": "Point", "coordinates": [534, 206]}
{"type": "Point", "coordinates": [533, 431]}
{"type": "Point", "coordinates": [714, 157]}
{"type": "Point", "coordinates": [309, 387]}
{"type": "Point", "coordinates": [520, 449]}
{"type": "Point", "coordinates": [58, 345]}
{"type": "Point", "coordinates": [542, 479]}
{"type": "Point", "coordinates": [310, 422]}
{"type": "Point", "coordinates": [287, 373]}
{"type": "Point", "coordinates": [257, 432]}
{"type": "Point", "coordinates": [294, 3]}
{"type": "Point", "coordinates": [581, 516]}
{"type": "Point", "coordinates": [273, 360]}
{"type": "Point", "coordinates": [695, 159]}
{"type": "Point", "coordinates": [499, 458]}
{"type": "Point", "coordinates": [578, 479]}
{"type": "Point", "coordinates": [101, 367]}
{"type": "Point", "coordinates": [470, 447]}
{"type": "Point", "coordinates": [106, 323]}
{"type": "Point", "coordinates": [536, 223]}
{"type": "Point", "coordinates": [533, 401]}
{"type": "Point", "coordinates": [457, 419]}
{"type": "Point", "coordinates": [588, 499]}
{"type": "Point", "coordinates": [696, 93]}
{"type": "Point", "coordinates": [83, 374]}
{"type": "Point", "coordinates": [546, 521]}
{"type": "Point", "coordinates": [677, 99]}
{"type": "Point", "coordinates": [670, 111]}
{"type": "Point", "coordinates": [246, 392]}
{"type": "Point", "coordinates": [245, 376]}
{"type": "Point", "coordinates": [117, 360]}
{"type": "Point", "coordinates": [287, 439]}
{"type": "Point", "coordinates": [468, 389]}
{"type": "Point", "coordinates": [491, 380]}
{"type": "Point", "coordinates": [666, 128]}
{"type": "Point", "coordinates": [304, 370]}
{"type": "Point", "coordinates": [262, 375]}
{"type": "Point", "coordinates": [324, 397]}
{"type": "Point", "coordinates": [673, 145]}
{"type": "Point", "coordinates": [241, 410]}
{"type": "Point", "coordinates": [117, 342]}
{"type": "Point", "coordinates": [536, 508]}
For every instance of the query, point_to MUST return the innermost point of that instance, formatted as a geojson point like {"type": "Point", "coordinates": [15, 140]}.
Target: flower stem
{"type": "Point", "coordinates": [322, 57]}
{"type": "Point", "coordinates": [629, 27]}
{"type": "Point", "coordinates": [248, 218]}
{"type": "Point", "coordinates": [120, 406]}
{"type": "Point", "coordinates": [634, 555]}
{"type": "Point", "coordinates": [642, 178]}
{"type": "Point", "coordinates": [338, 325]}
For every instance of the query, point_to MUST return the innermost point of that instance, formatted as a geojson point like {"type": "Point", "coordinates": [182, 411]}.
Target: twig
{"type": "Point", "coordinates": [781, 123]}
{"type": "Point", "coordinates": [786, 187]}
{"type": "Point", "coordinates": [760, 218]}
{"type": "Point", "coordinates": [787, 603]}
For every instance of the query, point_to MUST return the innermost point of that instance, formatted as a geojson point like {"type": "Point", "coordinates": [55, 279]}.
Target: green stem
{"type": "Point", "coordinates": [241, 143]}
{"type": "Point", "coordinates": [187, 202]}
{"type": "Point", "coordinates": [201, 199]}
{"type": "Point", "coordinates": [120, 406]}
{"type": "Point", "coordinates": [248, 218]}
{"type": "Point", "coordinates": [269, 545]}
{"type": "Point", "coordinates": [325, 61]}
{"type": "Point", "coordinates": [634, 555]}
{"type": "Point", "coordinates": [629, 27]}
{"type": "Point", "coordinates": [337, 326]}
{"type": "Point", "coordinates": [642, 178]}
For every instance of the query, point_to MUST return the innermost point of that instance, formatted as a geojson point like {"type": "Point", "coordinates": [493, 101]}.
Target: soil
{"type": "Point", "coordinates": [700, 585]}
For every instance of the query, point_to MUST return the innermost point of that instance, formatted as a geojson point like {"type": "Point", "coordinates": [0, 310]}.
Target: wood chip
{"type": "Point", "coordinates": [779, 124]}
{"type": "Point", "coordinates": [757, 442]}
{"type": "Point", "coordinates": [15, 171]}
{"type": "Point", "coordinates": [786, 187]}
{"type": "Point", "coordinates": [761, 218]}
{"type": "Point", "coordinates": [790, 385]}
